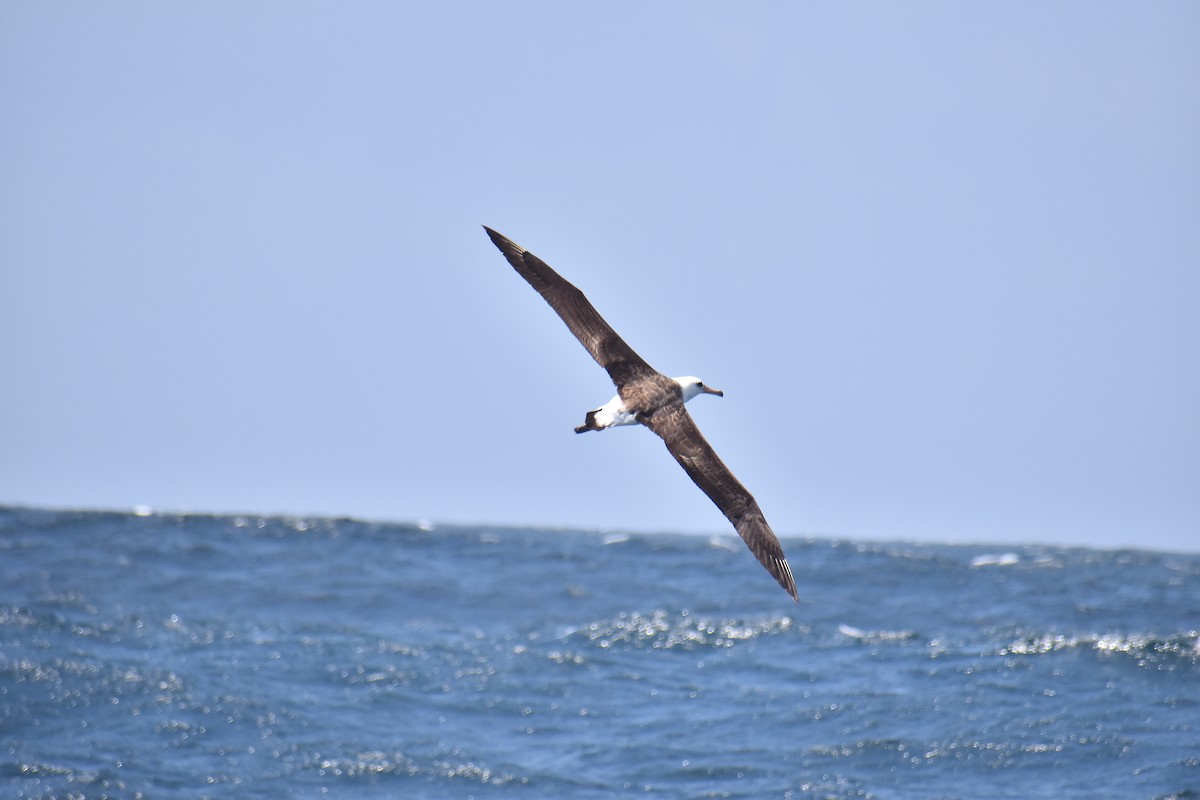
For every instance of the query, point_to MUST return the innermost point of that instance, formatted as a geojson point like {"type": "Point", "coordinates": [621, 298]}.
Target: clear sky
{"type": "Point", "coordinates": [943, 258]}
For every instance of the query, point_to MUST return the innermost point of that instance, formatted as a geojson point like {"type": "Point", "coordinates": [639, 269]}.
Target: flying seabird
{"type": "Point", "coordinates": [650, 398]}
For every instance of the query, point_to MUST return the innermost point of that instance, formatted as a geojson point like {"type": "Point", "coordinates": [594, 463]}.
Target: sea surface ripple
{"type": "Point", "coordinates": [189, 656]}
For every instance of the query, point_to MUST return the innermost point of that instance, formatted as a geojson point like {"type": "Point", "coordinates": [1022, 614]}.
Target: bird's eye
{"type": "Point", "coordinates": [700, 384]}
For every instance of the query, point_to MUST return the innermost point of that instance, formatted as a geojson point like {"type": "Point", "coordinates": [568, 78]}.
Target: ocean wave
{"type": "Point", "coordinates": [103, 781]}
{"type": "Point", "coordinates": [375, 764]}
{"type": "Point", "coordinates": [1148, 649]}
{"type": "Point", "coordinates": [877, 637]}
{"type": "Point", "coordinates": [665, 630]}
{"type": "Point", "coordinates": [996, 560]}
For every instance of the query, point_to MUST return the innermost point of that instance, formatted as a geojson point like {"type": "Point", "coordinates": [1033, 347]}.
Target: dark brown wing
{"type": "Point", "coordinates": [677, 429]}
{"type": "Point", "coordinates": [609, 349]}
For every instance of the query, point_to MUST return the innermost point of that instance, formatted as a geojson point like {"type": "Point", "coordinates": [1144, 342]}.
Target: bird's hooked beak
{"type": "Point", "coordinates": [710, 390]}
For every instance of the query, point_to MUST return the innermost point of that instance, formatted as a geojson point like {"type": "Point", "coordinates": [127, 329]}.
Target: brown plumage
{"type": "Point", "coordinates": [655, 401]}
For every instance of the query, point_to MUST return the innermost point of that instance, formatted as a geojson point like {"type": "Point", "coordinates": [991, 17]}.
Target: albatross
{"type": "Point", "coordinates": [647, 397]}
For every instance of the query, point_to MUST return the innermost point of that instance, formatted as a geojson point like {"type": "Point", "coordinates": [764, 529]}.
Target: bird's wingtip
{"type": "Point", "coordinates": [789, 583]}
{"type": "Point", "coordinates": [503, 242]}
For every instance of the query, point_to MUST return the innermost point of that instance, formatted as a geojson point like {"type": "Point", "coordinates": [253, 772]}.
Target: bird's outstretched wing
{"type": "Point", "coordinates": [700, 461]}
{"type": "Point", "coordinates": [596, 335]}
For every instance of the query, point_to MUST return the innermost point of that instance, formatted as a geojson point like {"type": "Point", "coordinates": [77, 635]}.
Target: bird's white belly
{"type": "Point", "coordinates": [614, 413]}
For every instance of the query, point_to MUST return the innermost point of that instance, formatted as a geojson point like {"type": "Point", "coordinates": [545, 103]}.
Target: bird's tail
{"type": "Point", "coordinates": [589, 423]}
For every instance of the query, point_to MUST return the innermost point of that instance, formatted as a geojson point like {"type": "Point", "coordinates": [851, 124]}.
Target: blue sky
{"type": "Point", "coordinates": [943, 258]}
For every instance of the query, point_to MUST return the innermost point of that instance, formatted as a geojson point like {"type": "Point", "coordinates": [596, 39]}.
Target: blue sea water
{"type": "Point", "coordinates": [189, 656]}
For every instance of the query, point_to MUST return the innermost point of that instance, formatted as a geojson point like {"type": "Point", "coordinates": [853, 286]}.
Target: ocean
{"type": "Point", "coordinates": [191, 656]}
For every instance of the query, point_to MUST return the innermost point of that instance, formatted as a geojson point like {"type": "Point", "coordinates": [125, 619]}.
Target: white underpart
{"type": "Point", "coordinates": [614, 413]}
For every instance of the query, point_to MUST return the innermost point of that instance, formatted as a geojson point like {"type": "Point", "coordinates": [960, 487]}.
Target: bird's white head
{"type": "Point", "coordinates": [692, 386]}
